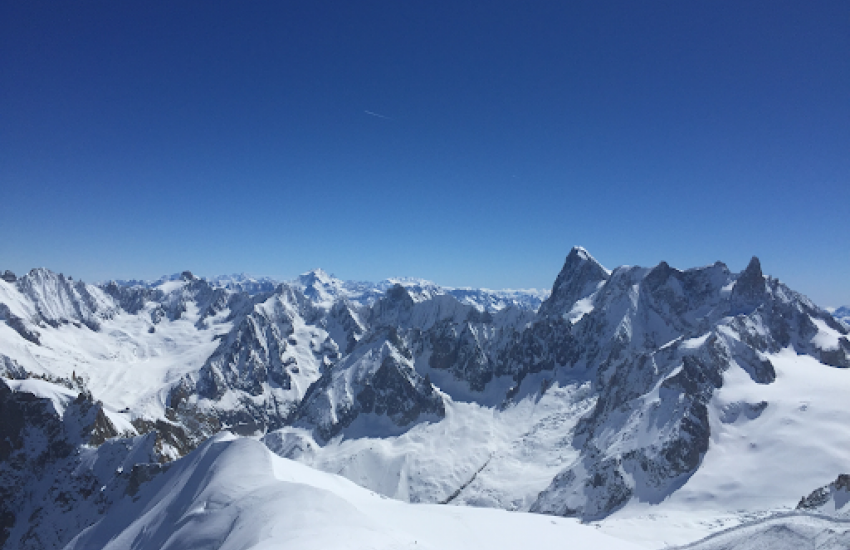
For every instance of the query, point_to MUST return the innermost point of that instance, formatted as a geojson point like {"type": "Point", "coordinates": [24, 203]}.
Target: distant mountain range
{"type": "Point", "coordinates": [842, 314]}
{"type": "Point", "coordinates": [620, 396]}
{"type": "Point", "coordinates": [318, 282]}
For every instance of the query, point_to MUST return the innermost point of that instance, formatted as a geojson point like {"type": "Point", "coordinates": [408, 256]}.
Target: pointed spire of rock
{"type": "Point", "coordinates": [749, 288]}
{"type": "Point", "coordinates": [579, 278]}
{"type": "Point", "coordinates": [752, 275]}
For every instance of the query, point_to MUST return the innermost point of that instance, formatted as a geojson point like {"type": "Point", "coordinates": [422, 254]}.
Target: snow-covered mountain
{"type": "Point", "coordinates": [619, 395]}
{"type": "Point", "coordinates": [64, 460]}
{"type": "Point", "coordinates": [842, 314]}
{"type": "Point", "coordinates": [234, 493]}
{"type": "Point", "coordinates": [319, 285]}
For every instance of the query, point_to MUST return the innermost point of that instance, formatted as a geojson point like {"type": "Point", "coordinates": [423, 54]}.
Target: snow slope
{"type": "Point", "coordinates": [234, 494]}
{"type": "Point", "coordinates": [761, 459]}
{"type": "Point", "coordinates": [787, 532]}
{"type": "Point", "coordinates": [124, 363]}
{"type": "Point", "coordinates": [475, 455]}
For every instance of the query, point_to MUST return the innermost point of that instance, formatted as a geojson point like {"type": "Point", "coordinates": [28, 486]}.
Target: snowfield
{"type": "Point", "coordinates": [476, 455]}
{"type": "Point", "coordinates": [234, 494]}
{"type": "Point", "coordinates": [785, 532]}
{"type": "Point", "coordinates": [124, 365]}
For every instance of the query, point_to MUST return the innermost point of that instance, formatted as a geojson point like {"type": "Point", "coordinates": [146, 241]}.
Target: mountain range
{"type": "Point", "coordinates": [703, 396]}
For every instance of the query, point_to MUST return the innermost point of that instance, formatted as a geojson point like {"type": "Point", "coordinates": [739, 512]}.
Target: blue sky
{"type": "Point", "coordinates": [143, 138]}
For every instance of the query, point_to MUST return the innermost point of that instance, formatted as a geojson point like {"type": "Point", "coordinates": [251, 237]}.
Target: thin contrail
{"type": "Point", "coordinates": [377, 115]}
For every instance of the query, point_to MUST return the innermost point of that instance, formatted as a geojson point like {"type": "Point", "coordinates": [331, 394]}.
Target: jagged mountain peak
{"type": "Point", "coordinates": [317, 276]}
{"type": "Point", "coordinates": [44, 296]}
{"type": "Point", "coordinates": [580, 277]}
{"type": "Point", "coordinates": [751, 277]}
{"type": "Point", "coordinates": [753, 268]}
{"type": "Point", "coordinates": [750, 287]}
{"type": "Point", "coordinates": [320, 287]}
{"type": "Point", "coordinates": [581, 253]}
{"type": "Point", "coordinates": [632, 371]}
{"type": "Point", "coordinates": [398, 293]}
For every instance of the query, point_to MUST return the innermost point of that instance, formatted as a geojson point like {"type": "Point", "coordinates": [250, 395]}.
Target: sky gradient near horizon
{"type": "Point", "coordinates": [469, 143]}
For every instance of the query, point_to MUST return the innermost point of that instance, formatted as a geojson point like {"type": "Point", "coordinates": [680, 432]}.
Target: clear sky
{"type": "Point", "coordinates": [470, 143]}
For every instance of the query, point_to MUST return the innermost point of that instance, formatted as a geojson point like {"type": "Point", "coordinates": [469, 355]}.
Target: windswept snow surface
{"type": "Point", "coordinates": [789, 532]}
{"type": "Point", "coordinates": [234, 494]}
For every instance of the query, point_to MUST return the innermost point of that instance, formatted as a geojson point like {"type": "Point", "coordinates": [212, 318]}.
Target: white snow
{"type": "Point", "coordinates": [59, 396]}
{"type": "Point", "coordinates": [235, 494]}
{"type": "Point", "coordinates": [501, 458]}
{"type": "Point", "coordinates": [826, 338]}
{"type": "Point", "coordinates": [580, 309]}
{"type": "Point", "coordinates": [123, 365]}
{"type": "Point", "coordinates": [786, 532]}
{"type": "Point", "coordinates": [17, 304]}
{"type": "Point", "coordinates": [758, 465]}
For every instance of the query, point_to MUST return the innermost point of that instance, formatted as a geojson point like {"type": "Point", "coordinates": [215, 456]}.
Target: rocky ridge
{"type": "Point", "coordinates": [648, 346]}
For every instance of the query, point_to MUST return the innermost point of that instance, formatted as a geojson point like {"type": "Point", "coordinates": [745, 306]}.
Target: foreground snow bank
{"type": "Point", "coordinates": [235, 494]}
{"type": "Point", "coordinates": [790, 532]}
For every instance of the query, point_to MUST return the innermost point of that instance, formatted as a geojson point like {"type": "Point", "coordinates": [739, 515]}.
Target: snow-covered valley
{"type": "Point", "coordinates": [651, 406]}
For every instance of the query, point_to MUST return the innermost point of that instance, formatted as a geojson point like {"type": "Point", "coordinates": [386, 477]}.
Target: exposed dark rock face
{"type": "Point", "coordinates": [209, 300]}
{"type": "Point", "coordinates": [659, 341]}
{"type": "Point", "coordinates": [838, 492]}
{"type": "Point", "coordinates": [400, 396]}
{"type": "Point", "coordinates": [633, 333]}
{"type": "Point", "coordinates": [601, 482]}
{"type": "Point", "coordinates": [350, 329]}
{"type": "Point", "coordinates": [52, 483]}
{"type": "Point", "coordinates": [8, 276]}
{"type": "Point", "coordinates": [460, 349]}
{"type": "Point", "coordinates": [132, 299]}
{"type": "Point", "coordinates": [248, 358]}
{"type": "Point", "coordinates": [177, 436]}
{"type": "Point", "coordinates": [9, 368]}
{"type": "Point", "coordinates": [263, 357]}
{"type": "Point", "coordinates": [579, 278]}
{"type": "Point", "coordinates": [543, 346]}
{"type": "Point", "coordinates": [381, 381]}
{"type": "Point", "coordinates": [749, 290]}
{"type": "Point", "coordinates": [19, 325]}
